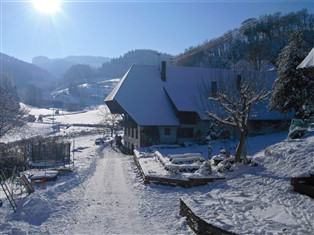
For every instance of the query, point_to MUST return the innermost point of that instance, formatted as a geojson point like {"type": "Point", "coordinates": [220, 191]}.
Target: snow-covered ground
{"type": "Point", "coordinates": [260, 200]}
{"type": "Point", "coordinates": [105, 194]}
{"type": "Point", "coordinates": [64, 117]}
{"type": "Point", "coordinates": [92, 116]}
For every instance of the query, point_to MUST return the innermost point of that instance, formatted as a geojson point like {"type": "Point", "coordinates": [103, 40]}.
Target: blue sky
{"type": "Point", "coordinates": [112, 28]}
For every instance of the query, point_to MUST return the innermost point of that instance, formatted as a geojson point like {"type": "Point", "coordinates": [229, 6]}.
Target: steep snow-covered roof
{"type": "Point", "coordinates": [185, 87]}
{"type": "Point", "coordinates": [308, 61]}
{"type": "Point", "coordinates": [151, 101]}
{"type": "Point", "coordinates": [141, 94]}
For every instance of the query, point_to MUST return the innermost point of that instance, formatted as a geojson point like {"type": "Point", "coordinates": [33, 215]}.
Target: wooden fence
{"type": "Point", "coordinates": [198, 225]}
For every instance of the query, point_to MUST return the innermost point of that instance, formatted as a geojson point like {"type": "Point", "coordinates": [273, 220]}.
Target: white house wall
{"type": "Point", "coordinates": [132, 137]}
{"type": "Point", "coordinates": [170, 137]}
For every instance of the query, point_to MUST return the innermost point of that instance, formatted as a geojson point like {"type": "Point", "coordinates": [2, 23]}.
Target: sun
{"type": "Point", "coordinates": [47, 6]}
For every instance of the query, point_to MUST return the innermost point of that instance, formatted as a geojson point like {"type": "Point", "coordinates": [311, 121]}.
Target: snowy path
{"type": "Point", "coordinates": [109, 203]}
{"type": "Point", "coordinates": [104, 195]}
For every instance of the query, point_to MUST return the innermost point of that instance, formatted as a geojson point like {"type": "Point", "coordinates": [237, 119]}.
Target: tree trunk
{"type": "Point", "coordinates": [112, 130]}
{"type": "Point", "coordinates": [237, 157]}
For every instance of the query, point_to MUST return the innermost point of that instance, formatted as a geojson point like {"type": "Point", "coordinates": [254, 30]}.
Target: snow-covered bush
{"type": "Point", "coordinates": [205, 169]}
{"type": "Point", "coordinates": [297, 128]}
{"type": "Point", "coordinates": [226, 165]}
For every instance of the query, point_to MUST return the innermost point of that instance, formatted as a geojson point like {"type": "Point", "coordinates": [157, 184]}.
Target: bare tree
{"type": "Point", "coordinates": [12, 115]}
{"type": "Point", "coordinates": [236, 95]}
{"type": "Point", "coordinates": [109, 121]}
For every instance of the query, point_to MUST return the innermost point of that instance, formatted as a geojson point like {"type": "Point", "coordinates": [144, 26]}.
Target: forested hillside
{"type": "Point", "coordinates": [23, 74]}
{"type": "Point", "coordinates": [58, 66]}
{"type": "Point", "coordinates": [256, 41]}
{"type": "Point", "coordinates": [118, 66]}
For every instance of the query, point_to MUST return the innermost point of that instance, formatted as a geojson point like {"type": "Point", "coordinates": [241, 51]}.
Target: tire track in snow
{"type": "Point", "coordinates": [109, 203]}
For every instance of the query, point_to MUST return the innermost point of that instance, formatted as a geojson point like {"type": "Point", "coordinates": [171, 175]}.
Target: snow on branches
{"type": "Point", "coordinates": [237, 95]}
{"type": "Point", "coordinates": [293, 89]}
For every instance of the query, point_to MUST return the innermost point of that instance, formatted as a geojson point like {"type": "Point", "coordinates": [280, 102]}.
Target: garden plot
{"type": "Point", "coordinates": [173, 166]}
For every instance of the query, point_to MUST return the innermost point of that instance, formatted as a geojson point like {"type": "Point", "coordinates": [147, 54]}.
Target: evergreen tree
{"type": "Point", "coordinates": [292, 89]}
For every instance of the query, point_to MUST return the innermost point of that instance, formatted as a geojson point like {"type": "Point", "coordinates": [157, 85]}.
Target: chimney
{"type": "Point", "coordinates": [163, 71]}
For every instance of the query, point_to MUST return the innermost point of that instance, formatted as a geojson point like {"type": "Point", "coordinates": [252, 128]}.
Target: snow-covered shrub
{"type": "Point", "coordinates": [205, 169]}
{"type": "Point", "coordinates": [297, 129]}
{"type": "Point", "coordinates": [254, 162]}
{"type": "Point", "coordinates": [226, 165]}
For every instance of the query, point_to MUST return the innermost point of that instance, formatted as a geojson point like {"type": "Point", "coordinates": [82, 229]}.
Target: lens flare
{"type": "Point", "coordinates": [47, 6]}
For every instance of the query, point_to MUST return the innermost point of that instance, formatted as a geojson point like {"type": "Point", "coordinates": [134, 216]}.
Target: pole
{"type": "Point", "coordinates": [73, 152]}
{"type": "Point", "coordinates": [45, 157]}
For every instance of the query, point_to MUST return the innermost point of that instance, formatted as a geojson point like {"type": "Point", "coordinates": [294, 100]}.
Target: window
{"type": "Point", "coordinates": [167, 131]}
{"type": "Point", "coordinates": [214, 89]}
{"type": "Point", "coordinates": [185, 132]}
{"type": "Point", "coordinates": [188, 117]}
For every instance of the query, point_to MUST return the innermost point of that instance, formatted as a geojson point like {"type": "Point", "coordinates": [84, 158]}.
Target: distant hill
{"type": "Point", "coordinates": [118, 66]}
{"type": "Point", "coordinates": [38, 87]}
{"type": "Point", "coordinates": [24, 74]}
{"type": "Point", "coordinates": [79, 88]}
{"type": "Point", "coordinates": [58, 66]}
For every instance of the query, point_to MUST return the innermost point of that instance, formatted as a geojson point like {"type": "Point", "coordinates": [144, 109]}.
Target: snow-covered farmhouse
{"type": "Point", "coordinates": [308, 63]}
{"type": "Point", "coordinates": [163, 105]}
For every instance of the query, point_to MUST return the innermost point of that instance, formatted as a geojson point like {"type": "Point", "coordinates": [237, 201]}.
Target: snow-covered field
{"type": "Point", "coordinates": [105, 194]}
{"type": "Point", "coordinates": [64, 117]}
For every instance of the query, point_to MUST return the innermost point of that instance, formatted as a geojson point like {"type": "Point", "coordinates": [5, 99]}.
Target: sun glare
{"type": "Point", "coordinates": [47, 6]}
